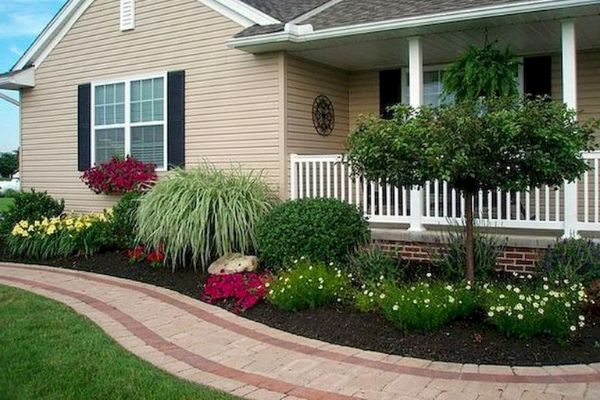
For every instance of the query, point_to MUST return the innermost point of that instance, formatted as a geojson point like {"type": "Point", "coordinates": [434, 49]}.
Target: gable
{"type": "Point", "coordinates": [235, 10]}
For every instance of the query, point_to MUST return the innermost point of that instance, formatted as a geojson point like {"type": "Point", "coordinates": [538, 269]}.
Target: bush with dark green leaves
{"type": "Point", "coordinates": [124, 221]}
{"type": "Point", "coordinates": [30, 206]}
{"type": "Point", "coordinates": [576, 260]}
{"type": "Point", "coordinates": [322, 230]}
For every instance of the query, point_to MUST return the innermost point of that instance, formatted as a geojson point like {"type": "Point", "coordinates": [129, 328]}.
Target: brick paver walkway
{"type": "Point", "coordinates": [210, 346]}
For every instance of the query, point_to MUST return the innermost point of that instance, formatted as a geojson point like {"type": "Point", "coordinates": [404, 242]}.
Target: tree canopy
{"type": "Point", "coordinates": [9, 164]}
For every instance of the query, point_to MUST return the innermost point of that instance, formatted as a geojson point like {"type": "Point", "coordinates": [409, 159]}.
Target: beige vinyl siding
{"type": "Point", "coordinates": [232, 98]}
{"type": "Point", "coordinates": [305, 81]}
{"type": "Point", "coordinates": [364, 95]}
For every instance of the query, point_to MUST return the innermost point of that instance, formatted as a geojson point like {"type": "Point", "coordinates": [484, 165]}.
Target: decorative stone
{"type": "Point", "coordinates": [232, 264]}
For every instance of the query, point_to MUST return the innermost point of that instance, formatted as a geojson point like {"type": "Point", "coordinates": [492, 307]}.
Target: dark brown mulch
{"type": "Point", "coordinates": [467, 341]}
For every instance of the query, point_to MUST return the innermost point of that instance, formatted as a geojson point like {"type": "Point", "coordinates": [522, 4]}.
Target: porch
{"type": "Point", "coordinates": [400, 66]}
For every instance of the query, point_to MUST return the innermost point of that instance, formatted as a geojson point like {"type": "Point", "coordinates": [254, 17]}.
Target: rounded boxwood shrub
{"type": "Point", "coordinates": [322, 230]}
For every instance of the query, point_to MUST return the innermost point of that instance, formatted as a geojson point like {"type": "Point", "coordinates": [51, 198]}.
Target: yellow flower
{"type": "Point", "coordinates": [24, 224]}
{"type": "Point", "coordinates": [51, 230]}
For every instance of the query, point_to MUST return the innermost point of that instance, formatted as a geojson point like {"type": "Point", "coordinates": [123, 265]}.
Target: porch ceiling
{"type": "Point", "coordinates": [525, 34]}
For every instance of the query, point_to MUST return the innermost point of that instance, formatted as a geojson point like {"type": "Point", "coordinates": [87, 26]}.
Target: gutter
{"type": "Point", "coordinates": [308, 35]}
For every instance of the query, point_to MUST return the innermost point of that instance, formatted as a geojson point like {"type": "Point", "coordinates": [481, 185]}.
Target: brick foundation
{"type": "Point", "coordinates": [512, 259]}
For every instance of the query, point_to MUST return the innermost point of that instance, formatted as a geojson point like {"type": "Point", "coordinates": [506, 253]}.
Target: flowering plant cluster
{"type": "Point", "coordinates": [51, 226]}
{"type": "Point", "coordinates": [246, 288]}
{"type": "Point", "coordinates": [524, 311]}
{"type": "Point", "coordinates": [425, 305]}
{"type": "Point", "coordinates": [309, 285]}
{"type": "Point", "coordinates": [139, 253]}
{"type": "Point", "coordinates": [120, 176]}
{"type": "Point", "coordinates": [61, 236]}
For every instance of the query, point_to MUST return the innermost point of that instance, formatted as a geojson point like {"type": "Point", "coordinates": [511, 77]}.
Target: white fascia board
{"type": "Point", "coordinates": [412, 22]}
{"type": "Point", "coordinates": [53, 33]}
{"type": "Point", "coordinates": [240, 12]}
{"type": "Point", "coordinates": [18, 80]}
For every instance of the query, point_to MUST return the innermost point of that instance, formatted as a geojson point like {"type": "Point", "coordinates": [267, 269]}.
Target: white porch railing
{"type": "Point", "coordinates": [570, 208]}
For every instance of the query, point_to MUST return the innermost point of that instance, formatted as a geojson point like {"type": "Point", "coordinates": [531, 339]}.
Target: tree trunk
{"type": "Point", "coordinates": [469, 236]}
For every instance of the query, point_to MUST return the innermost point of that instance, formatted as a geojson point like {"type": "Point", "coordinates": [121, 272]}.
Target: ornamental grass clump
{"type": "Point", "coordinates": [203, 212]}
{"type": "Point", "coordinates": [308, 285]}
{"type": "Point", "coordinates": [552, 308]}
{"type": "Point", "coordinates": [426, 305]}
{"type": "Point", "coordinates": [61, 236]}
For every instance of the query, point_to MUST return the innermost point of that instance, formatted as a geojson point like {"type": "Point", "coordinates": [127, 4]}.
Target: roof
{"type": "Point", "coordinates": [285, 10]}
{"type": "Point", "coordinates": [345, 13]}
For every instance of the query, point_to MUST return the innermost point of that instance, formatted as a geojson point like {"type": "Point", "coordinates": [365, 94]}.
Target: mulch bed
{"type": "Point", "coordinates": [465, 341]}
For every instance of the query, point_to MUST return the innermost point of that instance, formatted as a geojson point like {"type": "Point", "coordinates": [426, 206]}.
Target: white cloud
{"type": "Point", "coordinates": [23, 24]}
{"type": "Point", "coordinates": [15, 50]}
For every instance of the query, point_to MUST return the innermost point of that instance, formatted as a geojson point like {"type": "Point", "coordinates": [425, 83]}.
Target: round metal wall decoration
{"type": "Point", "coordinates": [323, 115]}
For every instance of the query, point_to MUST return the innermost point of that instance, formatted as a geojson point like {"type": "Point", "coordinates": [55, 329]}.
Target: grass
{"type": "Point", "coordinates": [47, 351]}
{"type": "Point", "coordinates": [5, 203]}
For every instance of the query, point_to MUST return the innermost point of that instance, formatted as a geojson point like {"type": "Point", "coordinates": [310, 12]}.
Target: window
{"type": "Point", "coordinates": [432, 86]}
{"type": "Point", "coordinates": [129, 119]}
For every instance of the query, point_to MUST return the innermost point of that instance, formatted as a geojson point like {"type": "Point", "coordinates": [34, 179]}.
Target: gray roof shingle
{"type": "Point", "coordinates": [285, 10]}
{"type": "Point", "coordinates": [353, 12]}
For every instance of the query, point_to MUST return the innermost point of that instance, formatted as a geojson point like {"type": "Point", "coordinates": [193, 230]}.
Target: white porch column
{"type": "Point", "coordinates": [569, 83]}
{"type": "Point", "coordinates": [415, 71]}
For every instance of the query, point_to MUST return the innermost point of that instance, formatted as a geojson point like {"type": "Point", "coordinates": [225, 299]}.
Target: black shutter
{"type": "Point", "coordinates": [390, 92]}
{"type": "Point", "coordinates": [84, 116]}
{"type": "Point", "coordinates": [176, 119]}
{"type": "Point", "coordinates": [537, 76]}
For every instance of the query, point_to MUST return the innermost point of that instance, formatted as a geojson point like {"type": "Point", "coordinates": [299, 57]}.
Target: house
{"type": "Point", "coordinates": [279, 84]}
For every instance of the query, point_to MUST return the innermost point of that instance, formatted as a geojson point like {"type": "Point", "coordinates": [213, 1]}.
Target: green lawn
{"type": "Point", "coordinates": [49, 352]}
{"type": "Point", "coordinates": [5, 203]}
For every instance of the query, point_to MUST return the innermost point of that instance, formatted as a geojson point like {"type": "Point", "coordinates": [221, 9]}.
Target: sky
{"type": "Point", "coordinates": [20, 22]}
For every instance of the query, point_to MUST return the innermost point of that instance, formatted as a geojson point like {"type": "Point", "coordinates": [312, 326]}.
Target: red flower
{"type": "Point", "coordinates": [246, 288]}
{"type": "Point", "coordinates": [136, 254]}
{"type": "Point", "coordinates": [120, 176]}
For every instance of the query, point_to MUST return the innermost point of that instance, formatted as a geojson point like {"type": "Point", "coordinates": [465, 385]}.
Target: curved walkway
{"type": "Point", "coordinates": [210, 346]}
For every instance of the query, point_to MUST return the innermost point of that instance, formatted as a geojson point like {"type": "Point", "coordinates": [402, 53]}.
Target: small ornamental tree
{"type": "Point", "coordinates": [498, 141]}
{"type": "Point", "coordinates": [120, 176]}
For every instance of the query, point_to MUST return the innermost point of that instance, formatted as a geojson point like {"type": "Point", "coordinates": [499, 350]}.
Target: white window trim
{"type": "Point", "coordinates": [127, 125]}
{"type": "Point", "coordinates": [437, 67]}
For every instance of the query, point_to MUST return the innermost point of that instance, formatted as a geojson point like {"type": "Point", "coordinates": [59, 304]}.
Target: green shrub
{"type": "Point", "coordinates": [30, 206]}
{"type": "Point", "coordinates": [451, 261]}
{"type": "Point", "coordinates": [325, 230]}
{"type": "Point", "coordinates": [426, 306]}
{"type": "Point", "coordinates": [373, 264]}
{"type": "Point", "coordinates": [309, 285]}
{"type": "Point", "coordinates": [10, 193]}
{"type": "Point", "coordinates": [124, 222]}
{"type": "Point", "coordinates": [525, 311]}
{"type": "Point", "coordinates": [576, 260]}
{"type": "Point", "coordinates": [60, 236]}
{"type": "Point", "coordinates": [203, 212]}
{"type": "Point", "coordinates": [368, 298]}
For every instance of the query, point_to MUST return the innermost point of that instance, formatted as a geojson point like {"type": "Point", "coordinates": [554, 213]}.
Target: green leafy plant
{"type": "Point", "coordinates": [576, 260]}
{"type": "Point", "coordinates": [308, 285]}
{"type": "Point", "coordinates": [424, 305]}
{"type": "Point", "coordinates": [203, 212]}
{"type": "Point", "coordinates": [325, 230]}
{"type": "Point", "coordinates": [451, 260]}
{"type": "Point", "coordinates": [525, 311]}
{"type": "Point", "coordinates": [372, 264]}
{"type": "Point", "coordinates": [482, 72]}
{"type": "Point", "coordinates": [124, 220]}
{"type": "Point", "coordinates": [30, 206]}
{"type": "Point", "coordinates": [60, 236]}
